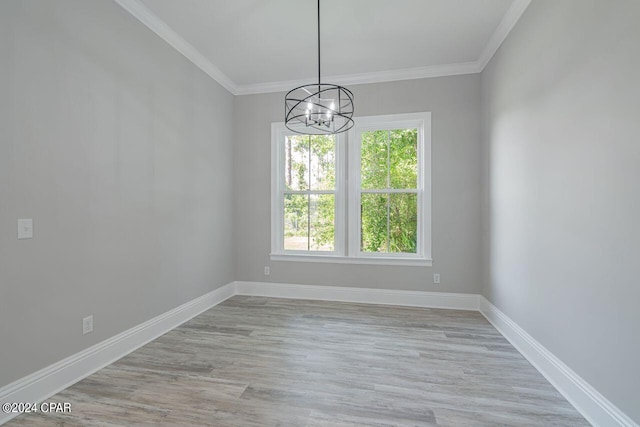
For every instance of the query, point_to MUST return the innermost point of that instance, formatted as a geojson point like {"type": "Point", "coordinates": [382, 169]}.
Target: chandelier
{"type": "Point", "coordinates": [319, 108]}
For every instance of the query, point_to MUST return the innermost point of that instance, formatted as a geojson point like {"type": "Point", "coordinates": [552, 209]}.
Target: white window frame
{"type": "Point", "coordinates": [347, 195]}
{"type": "Point", "coordinates": [422, 122]}
{"type": "Point", "coordinates": [279, 133]}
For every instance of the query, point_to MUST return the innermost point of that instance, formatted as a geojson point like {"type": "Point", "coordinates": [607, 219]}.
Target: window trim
{"type": "Point", "coordinates": [421, 121]}
{"type": "Point", "coordinates": [346, 245]}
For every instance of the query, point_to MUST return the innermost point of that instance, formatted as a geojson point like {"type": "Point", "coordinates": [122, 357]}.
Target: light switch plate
{"type": "Point", "coordinates": [25, 229]}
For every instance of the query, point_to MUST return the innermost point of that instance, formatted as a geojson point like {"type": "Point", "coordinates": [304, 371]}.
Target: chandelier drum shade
{"type": "Point", "coordinates": [319, 108]}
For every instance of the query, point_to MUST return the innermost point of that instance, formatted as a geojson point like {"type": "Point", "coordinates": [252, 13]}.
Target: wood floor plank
{"type": "Point", "coordinates": [254, 362]}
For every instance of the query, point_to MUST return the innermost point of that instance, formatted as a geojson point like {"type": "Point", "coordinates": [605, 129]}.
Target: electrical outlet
{"type": "Point", "coordinates": [267, 270]}
{"type": "Point", "coordinates": [87, 325]}
{"type": "Point", "coordinates": [436, 278]}
{"type": "Point", "coordinates": [25, 229]}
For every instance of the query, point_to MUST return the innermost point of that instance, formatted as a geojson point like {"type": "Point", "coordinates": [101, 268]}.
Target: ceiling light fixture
{"type": "Point", "coordinates": [319, 108]}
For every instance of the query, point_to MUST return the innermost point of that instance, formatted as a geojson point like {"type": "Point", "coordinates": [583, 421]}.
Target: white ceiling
{"type": "Point", "coordinates": [253, 46]}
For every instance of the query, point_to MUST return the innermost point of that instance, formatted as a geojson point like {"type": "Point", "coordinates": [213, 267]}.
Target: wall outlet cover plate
{"type": "Point", "coordinates": [25, 229]}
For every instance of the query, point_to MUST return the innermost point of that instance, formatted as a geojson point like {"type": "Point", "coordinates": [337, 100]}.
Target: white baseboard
{"type": "Point", "coordinates": [360, 295]}
{"type": "Point", "coordinates": [587, 400]}
{"type": "Point", "coordinates": [48, 381]}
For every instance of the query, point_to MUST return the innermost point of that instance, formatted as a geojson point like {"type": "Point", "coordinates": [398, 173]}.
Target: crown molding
{"type": "Point", "coordinates": [503, 29]}
{"type": "Point", "coordinates": [364, 78]}
{"type": "Point", "coordinates": [166, 33]}
{"type": "Point", "coordinates": [158, 26]}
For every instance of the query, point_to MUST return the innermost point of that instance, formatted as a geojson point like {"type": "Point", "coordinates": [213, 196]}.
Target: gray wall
{"type": "Point", "coordinates": [120, 150]}
{"type": "Point", "coordinates": [124, 154]}
{"type": "Point", "coordinates": [455, 106]}
{"type": "Point", "coordinates": [563, 122]}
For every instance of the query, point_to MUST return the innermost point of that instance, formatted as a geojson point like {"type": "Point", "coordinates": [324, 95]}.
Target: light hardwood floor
{"type": "Point", "coordinates": [274, 362]}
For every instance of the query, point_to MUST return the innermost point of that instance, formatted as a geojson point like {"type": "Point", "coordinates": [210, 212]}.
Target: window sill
{"type": "Point", "coordinates": [335, 259]}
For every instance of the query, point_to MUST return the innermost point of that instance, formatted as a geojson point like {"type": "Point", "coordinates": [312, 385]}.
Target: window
{"type": "Point", "coordinates": [309, 193]}
{"type": "Point", "coordinates": [379, 215]}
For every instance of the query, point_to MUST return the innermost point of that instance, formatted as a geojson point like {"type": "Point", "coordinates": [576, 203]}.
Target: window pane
{"type": "Point", "coordinates": [322, 208]}
{"type": "Point", "coordinates": [323, 162]}
{"type": "Point", "coordinates": [373, 159]}
{"type": "Point", "coordinates": [296, 174]}
{"type": "Point", "coordinates": [403, 158]}
{"type": "Point", "coordinates": [302, 235]}
{"type": "Point", "coordinates": [296, 230]}
{"type": "Point", "coordinates": [373, 212]}
{"type": "Point", "coordinates": [403, 222]}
